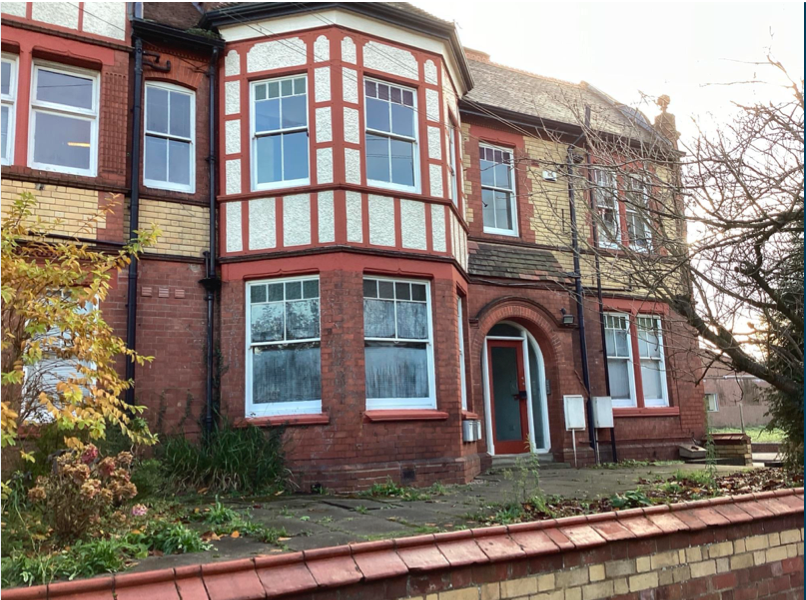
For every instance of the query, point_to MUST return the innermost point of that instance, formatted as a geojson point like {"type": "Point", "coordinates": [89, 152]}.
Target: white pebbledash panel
{"type": "Point", "coordinates": [438, 243]}
{"type": "Point", "coordinates": [324, 165]}
{"type": "Point", "coordinates": [279, 54]}
{"type": "Point", "coordinates": [262, 224]}
{"type": "Point", "coordinates": [16, 9]}
{"type": "Point", "coordinates": [232, 214]}
{"type": "Point", "coordinates": [232, 136]}
{"type": "Point", "coordinates": [412, 224]}
{"type": "Point", "coordinates": [327, 217]}
{"type": "Point", "coordinates": [232, 97]}
{"type": "Point", "coordinates": [352, 131]}
{"type": "Point", "coordinates": [232, 63]}
{"type": "Point", "coordinates": [105, 18]}
{"type": "Point", "coordinates": [234, 176]}
{"type": "Point", "coordinates": [381, 220]}
{"type": "Point", "coordinates": [297, 220]}
{"type": "Point", "coordinates": [349, 84]}
{"type": "Point", "coordinates": [436, 180]}
{"type": "Point", "coordinates": [434, 143]}
{"type": "Point", "coordinates": [56, 13]}
{"type": "Point", "coordinates": [321, 49]}
{"type": "Point", "coordinates": [324, 127]}
{"type": "Point", "coordinates": [347, 48]}
{"type": "Point", "coordinates": [352, 165]}
{"type": "Point", "coordinates": [321, 82]}
{"type": "Point", "coordinates": [355, 217]}
{"type": "Point", "coordinates": [390, 59]}
{"type": "Point", "coordinates": [430, 71]}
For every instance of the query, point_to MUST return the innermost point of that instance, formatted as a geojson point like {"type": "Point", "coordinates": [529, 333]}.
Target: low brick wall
{"type": "Point", "coordinates": [723, 549]}
{"type": "Point", "coordinates": [733, 448]}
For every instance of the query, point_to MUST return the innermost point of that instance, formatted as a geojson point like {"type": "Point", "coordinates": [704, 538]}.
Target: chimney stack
{"type": "Point", "coordinates": [665, 122]}
{"type": "Point", "coordinates": [476, 55]}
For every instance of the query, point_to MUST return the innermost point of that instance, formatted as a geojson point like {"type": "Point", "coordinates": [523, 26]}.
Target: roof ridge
{"type": "Point", "coordinates": [525, 72]}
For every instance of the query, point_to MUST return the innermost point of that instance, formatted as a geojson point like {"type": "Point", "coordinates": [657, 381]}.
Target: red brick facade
{"type": "Point", "coordinates": [345, 446]}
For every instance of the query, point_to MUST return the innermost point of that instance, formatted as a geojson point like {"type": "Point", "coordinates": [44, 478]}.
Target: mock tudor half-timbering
{"type": "Point", "coordinates": [381, 203]}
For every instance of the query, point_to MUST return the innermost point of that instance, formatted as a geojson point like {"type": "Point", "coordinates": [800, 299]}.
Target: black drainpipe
{"type": "Point", "coordinates": [593, 209]}
{"type": "Point", "coordinates": [578, 287]}
{"type": "Point", "coordinates": [134, 213]}
{"type": "Point", "coordinates": [211, 282]}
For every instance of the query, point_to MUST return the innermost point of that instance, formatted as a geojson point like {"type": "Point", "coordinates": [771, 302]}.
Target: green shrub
{"type": "Point", "coordinates": [631, 499]}
{"type": "Point", "coordinates": [231, 459]}
{"type": "Point", "coordinates": [148, 475]}
{"type": "Point", "coordinates": [172, 538]}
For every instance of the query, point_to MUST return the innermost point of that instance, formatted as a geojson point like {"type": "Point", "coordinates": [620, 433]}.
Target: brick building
{"type": "Point", "coordinates": [383, 276]}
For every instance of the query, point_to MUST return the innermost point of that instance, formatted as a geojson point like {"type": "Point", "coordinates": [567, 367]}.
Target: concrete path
{"type": "Point", "coordinates": [317, 521]}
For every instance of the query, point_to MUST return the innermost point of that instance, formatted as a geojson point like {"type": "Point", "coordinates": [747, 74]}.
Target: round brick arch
{"type": "Point", "coordinates": [551, 337]}
{"type": "Point", "coordinates": [534, 317]}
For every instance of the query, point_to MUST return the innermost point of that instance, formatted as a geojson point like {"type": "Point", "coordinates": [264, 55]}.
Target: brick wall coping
{"type": "Point", "coordinates": [266, 577]}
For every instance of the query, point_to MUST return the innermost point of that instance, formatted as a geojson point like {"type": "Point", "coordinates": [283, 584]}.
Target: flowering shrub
{"type": "Point", "coordinates": [82, 488]}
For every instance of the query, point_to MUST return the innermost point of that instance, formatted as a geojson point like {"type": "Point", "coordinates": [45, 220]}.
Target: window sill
{"type": "Point", "coordinates": [380, 416]}
{"type": "Point", "coordinates": [316, 419]}
{"type": "Point", "coordinates": [664, 411]}
{"type": "Point", "coordinates": [470, 416]}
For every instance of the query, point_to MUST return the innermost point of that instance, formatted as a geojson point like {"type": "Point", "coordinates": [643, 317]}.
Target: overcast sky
{"type": "Point", "coordinates": [655, 48]}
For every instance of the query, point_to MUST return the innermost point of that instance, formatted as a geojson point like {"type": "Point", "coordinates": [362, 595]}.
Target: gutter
{"type": "Point", "coordinates": [211, 282]}
{"type": "Point", "coordinates": [134, 213]}
{"type": "Point", "coordinates": [578, 289]}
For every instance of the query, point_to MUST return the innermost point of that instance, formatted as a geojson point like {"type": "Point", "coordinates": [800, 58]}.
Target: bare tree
{"type": "Point", "coordinates": [713, 227]}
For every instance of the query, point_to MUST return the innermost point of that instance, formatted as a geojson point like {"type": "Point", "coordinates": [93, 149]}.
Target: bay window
{"type": "Point", "coordinates": [64, 120]}
{"type": "Point", "coordinates": [391, 135]}
{"type": "Point", "coordinates": [636, 382]}
{"type": "Point", "coordinates": [283, 353]}
{"type": "Point", "coordinates": [8, 79]}
{"type": "Point", "coordinates": [498, 190]}
{"type": "Point", "coordinates": [605, 193]}
{"type": "Point", "coordinates": [452, 174]}
{"type": "Point", "coordinates": [279, 132]}
{"type": "Point", "coordinates": [398, 347]}
{"type": "Point", "coordinates": [169, 159]}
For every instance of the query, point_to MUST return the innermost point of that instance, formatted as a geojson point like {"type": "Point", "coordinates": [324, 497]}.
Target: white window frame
{"type": "Point", "coordinates": [271, 409]}
{"type": "Point", "coordinates": [429, 402]}
{"type": "Point", "coordinates": [253, 136]}
{"type": "Point", "coordinates": [663, 401]}
{"type": "Point", "coordinates": [632, 401]}
{"type": "Point", "coordinates": [513, 196]}
{"type": "Point", "coordinates": [388, 185]}
{"type": "Point", "coordinates": [37, 106]}
{"type": "Point", "coordinates": [605, 183]}
{"type": "Point", "coordinates": [634, 215]}
{"type": "Point", "coordinates": [167, 185]}
{"type": "Point", "coordinates": [10, 100]}
{"type": "Point", "coordinates": [461, 328]}
{"type": "Point", "coordinates": [453, 187]}
{"type": "Point", "coordinates": [708, 405]}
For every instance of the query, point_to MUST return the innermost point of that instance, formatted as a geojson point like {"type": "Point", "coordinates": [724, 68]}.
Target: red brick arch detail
{"type": "Point", "coordinates": [534, 317]}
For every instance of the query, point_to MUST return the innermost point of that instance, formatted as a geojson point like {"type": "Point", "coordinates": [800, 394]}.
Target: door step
{"type": "Point", "coordinates": [509, 461]}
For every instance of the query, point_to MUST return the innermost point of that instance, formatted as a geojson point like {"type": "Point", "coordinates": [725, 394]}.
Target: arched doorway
{"type": "Point", "coordinates": [514, 383]}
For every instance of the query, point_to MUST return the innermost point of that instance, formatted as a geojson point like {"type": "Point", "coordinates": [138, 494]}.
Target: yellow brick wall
{"type": "Point", "coordinates": [71, 211]}
{"type": "Point", "coordinates": [634, 575]}
{"type": "Point", "coordinates": [184, 227]}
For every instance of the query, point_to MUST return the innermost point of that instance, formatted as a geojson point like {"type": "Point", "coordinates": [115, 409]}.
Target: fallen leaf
{"type": "Point", "coordinates": [235, 534]}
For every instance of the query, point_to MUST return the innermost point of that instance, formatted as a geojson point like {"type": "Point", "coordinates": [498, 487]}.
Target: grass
{"type": "Point", "coordinates": [758, 433]}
